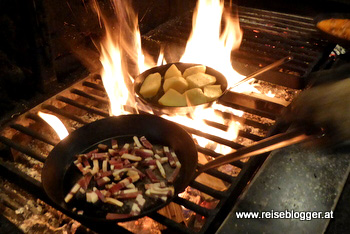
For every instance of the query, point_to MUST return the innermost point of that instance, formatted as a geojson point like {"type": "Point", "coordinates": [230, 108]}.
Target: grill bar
{"type": "Point", "coordinates": [83, 107]}
{"type": "Point", "coordinates": [208, 190]}
{"type": "Point", "coordinates": [63, 113]}
{"type": "Point", "coordinates": [90, 96]}
{"type": "Point", "coordinates": [194, 207]}
{"type": "Point", "coordinates": [179, 228]}
{"type": "Point", "coordinates": [93, 85]}
{"type": "Point", "coordinates": [22, 149]}
{"type": "Point", "coordinates": [34, 134]}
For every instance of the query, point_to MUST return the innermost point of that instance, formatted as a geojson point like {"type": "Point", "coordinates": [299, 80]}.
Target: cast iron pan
{"type": "Point", "coordinates": [59, 173]}
{"type": "Point", "coordinates": [333, 38]}
{"type": "Point", "coordinates": [153, 102]}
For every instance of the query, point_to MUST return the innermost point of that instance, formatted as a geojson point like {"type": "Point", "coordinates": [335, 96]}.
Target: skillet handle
{"type": "Point", "coordinates": [262, 70]}
{"type": "Point", "coordinates": [266, 145]}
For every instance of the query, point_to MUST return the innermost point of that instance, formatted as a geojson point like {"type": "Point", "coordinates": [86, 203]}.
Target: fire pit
{"type": "Point", "coordinates": [241, 117]}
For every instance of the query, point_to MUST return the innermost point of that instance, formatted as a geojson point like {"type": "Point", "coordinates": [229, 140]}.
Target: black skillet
{"type": "Point", "coordinates": [59, 173]}
{"type": "Point", "coordinates": [332, 38]}
{"type": "Point", "coordinates": [153, 102]}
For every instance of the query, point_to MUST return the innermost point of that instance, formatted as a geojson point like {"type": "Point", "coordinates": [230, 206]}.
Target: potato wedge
{"type": "Point", "coordinates": [199, 80]}
{"type": "Point", "coordinates": [212, 92]}
{"type": "Point", "coordinates": [171, 72]}
{"type": "Point", "coordinates": [195, 97]}
{"type": "Point", "coordinates": [172, 98]}
{"type": "Point", "coordinates": [193, 70]}
{"type": "Point", "coordinates": [178, 83]}
{"type": "Point", "coordinates": [151, 85]}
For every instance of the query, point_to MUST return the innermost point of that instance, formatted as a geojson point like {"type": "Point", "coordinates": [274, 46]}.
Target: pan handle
{"type": "Point", "coordinates": [262, 70]}
{"type": "Point", "coordinates": [266, 145]}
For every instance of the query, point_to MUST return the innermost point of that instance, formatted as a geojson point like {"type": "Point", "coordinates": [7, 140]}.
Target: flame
{"type": "Point", "coordinates": [208, 44]}
{"type": "Point", "coordinates": [270, 94]}
{"type": "Point", "coordinates": [55, 123]}
{"type": "Point", "coordinates": [120, 48]}
{"type": "Point", "coordinates": [211, 43]}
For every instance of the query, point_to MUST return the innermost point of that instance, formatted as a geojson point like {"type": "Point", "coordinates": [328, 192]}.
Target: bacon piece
{"type": "Point", "coordinates": [99, 156]}
{"type": "Point", "coordinates": [105, 165]}
{"type": "Point", "coordinates": [84, 181]}
{"type": "Point", "coordinates": [138, 205]}
{"type": "Point", "coordinates": [172, 161]}
{"type": "Point", "coordinates": [103, 174]}
{"type": "Point", "coordinates": [114, 144]}
{"type": "Point", "coordinates": [83, 170]}
{"type": "Point", "coordinates": [113, 152]}
{"type": "Point", "coordinates": [152, 167]}
{"type": "Point", "coordinates": [128, 195]}
{"type": "Point", "coordinates": [130, 186]}
{"type": "Point", "coordinates": [177, 162]}
{"type": "Point", "coordinates": [146, 143]}
{"type": "Point", "coordinates": [72, 192]}
{"type": "Point", "coordinates": [142, 175]}
{"type": "Point", "coordinates": [119, 171]}
{"type": "Point", "coordinates": [114, 201]}
{"type": "Point", "coordinates": [131, 157]}
{"type": "Point", "coordinates": [167, 191]}
{"type": "Point", "coordinates": [96, 167]}
{"type": "Point", "coordinates": [123, 183]}
{"type": "Point", "coordinates": [116, 164]}
{"type": "Point", "coordinates": [99, 194]}
{"type": "Point", "coordinates": [127, 163]}
{"type": "Point", "coordinates": [153, 161]}
{"type": "Point", "coordinates": [103, 181]}
{"type": "Point", "coordinates": [112, 216]}
{"type": "Point", "coordinates": [152, 176]}
{"type": "Point", "coordinates": [102, 147]}
{"type": "Point", "coordinates": [160, 168]}
{"type": "Point", "coordinates": [159, 185]}
{"type": "Point", "coordinates": [144, 153]}
{"type": "Point", "coordinates": [173, 176]}
{"type": "Point", "coordinates": [89, 154]}
{"type": "Point", "coordinates": [126, 191]}
{"type": "Point", "coordinates": [85, 161]}
{"type": "Point", "coordinates": [125, 149]}
{"type": "Point", "coordinates": [137, 142]}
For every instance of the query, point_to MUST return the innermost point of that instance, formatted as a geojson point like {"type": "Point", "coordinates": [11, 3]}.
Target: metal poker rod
{"type": "Point", "coordinates": [262, 70]}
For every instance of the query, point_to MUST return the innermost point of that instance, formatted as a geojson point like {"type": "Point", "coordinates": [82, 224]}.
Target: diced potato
{"type": "Point", "coordinates": [172, 98]}
{"type": "Point", "coordinates": [171, 72]}
{"type": "Point", "coordinates": [195, 97]}
{"type": "Point", "coordinates": [212, 92]}
{"type": "Point", "coordinates": [199, 80]}
{"type": "Point", "coordinates": [193, 70]}
{"type": "Point", "coordinates": [151, 85]}
{"type": "Point", "coordinates": [178, 83]}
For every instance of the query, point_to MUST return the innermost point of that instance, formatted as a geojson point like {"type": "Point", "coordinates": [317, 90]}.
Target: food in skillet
{"type": "Point", "coordinates": [193, 87]}
{"type": "Point", "coordinates": [125, 177]}
{"type": "Point", "coordinates": [336, 27]}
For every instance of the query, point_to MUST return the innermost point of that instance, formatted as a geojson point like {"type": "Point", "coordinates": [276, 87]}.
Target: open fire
{"type": "Point", "coordinates": [215, 129]}
{"type": "Point", "coordinates": [211, 43]}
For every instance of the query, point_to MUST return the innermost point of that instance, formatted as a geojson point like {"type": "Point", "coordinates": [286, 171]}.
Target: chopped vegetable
{"type": "Point", "coordinates": [110, 173]}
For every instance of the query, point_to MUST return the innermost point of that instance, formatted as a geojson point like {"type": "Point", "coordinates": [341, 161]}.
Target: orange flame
{"type": "Point", "coordinates": [209, 45]}
{"type": "Point", "coordinates": [55, 123]}
{"type": "Point", "coordinates": [120, 48]}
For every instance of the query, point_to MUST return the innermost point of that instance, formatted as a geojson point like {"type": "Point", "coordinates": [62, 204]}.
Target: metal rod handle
{"type": "Point", "coordinates": [262, 70]}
